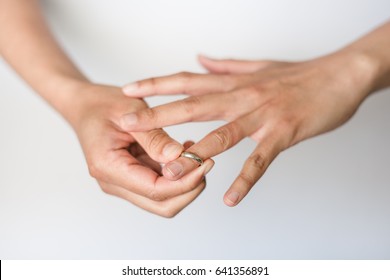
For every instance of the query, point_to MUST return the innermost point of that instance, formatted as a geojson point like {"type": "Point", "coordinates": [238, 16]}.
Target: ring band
{"type": "Point", "coordinates": [192, 156]}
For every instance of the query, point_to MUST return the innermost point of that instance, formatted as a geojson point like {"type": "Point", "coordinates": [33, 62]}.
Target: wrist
{"type": "Point", "coordinates": [381, 66]}
{"type": "Point", "coordinates": [65, 95]}
{"type": "Point", "coordinates": [374, 49]}
{"type": "Point", "coordinates": [364, 70]}
{"type": "Point", "coordinates": [371, 68]}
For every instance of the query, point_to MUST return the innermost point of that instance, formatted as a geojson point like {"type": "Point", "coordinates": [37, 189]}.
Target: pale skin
{"type": "Point", "coordinates": [277, 104]}
{"type": "Point", "coordinates": [125, 164]}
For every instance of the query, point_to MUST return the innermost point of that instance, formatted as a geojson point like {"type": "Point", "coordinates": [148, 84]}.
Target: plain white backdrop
{"type": "Point", "coordinates": [326, 198]}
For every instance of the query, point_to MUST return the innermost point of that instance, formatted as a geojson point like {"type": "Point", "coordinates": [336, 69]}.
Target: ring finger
{"type": "Point", "coordinates": [214, 143]}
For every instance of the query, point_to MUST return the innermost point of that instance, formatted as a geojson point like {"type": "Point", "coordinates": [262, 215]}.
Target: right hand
{"type": "Point", "coordinates": [125, 164]}
{"type": "Point", "coordinates": [277, 104]}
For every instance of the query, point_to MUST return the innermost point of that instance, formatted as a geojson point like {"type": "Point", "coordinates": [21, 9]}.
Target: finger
{"type": "Point", "coordinates": [184, 184]}
{"type": "Point", "coordinates": [194, 108]}
{"type": "Point", "coordinates": [120, 169]}
{"type": "Point", "coordinates": [168, 208]}
{"type": "Point", "coordinates": [181, 83]}
{"type": "Point", "coordinates": [217, 106]}
{"type": "Point", "coordinates": [158, 145]}
{"type": "Point", "coordinates": [139, 153]}
{"type": "Point", "coordinates": [155, 166]}
{"type": "Point", "coordinates": [253, 169]}
{"type": "Point", "coordinates": [231, 66]}
{"type": "Point", "coordinates": [145, 159]}
{"type": "Point", "coordinates": [188, 144]}
{"type": "Point", "coordinates": [214, 143]}
{"type": "Point", "coordinates": [148, 162]}
{"type": "Point", "coordinates": [136, 150]}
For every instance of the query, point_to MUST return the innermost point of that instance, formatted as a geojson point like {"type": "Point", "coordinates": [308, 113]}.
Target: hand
{"type": "Point", "coordinates": [127, 164]}
{"type": "Point", "coordinates": [277, 104]}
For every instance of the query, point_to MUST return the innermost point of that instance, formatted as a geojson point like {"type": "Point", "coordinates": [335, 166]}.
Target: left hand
{"type": "Point", "coordinates": [277, 104]}
{"type": "Point", "coordinates": [124, 164]}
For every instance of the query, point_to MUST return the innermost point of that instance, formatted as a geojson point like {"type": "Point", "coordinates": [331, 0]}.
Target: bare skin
{"type": "Point", "coordinates": [278, 104]}
{"type": "Point", "coordinates": [124, 164]}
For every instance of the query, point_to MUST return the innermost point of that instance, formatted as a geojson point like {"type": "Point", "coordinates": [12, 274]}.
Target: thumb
{"type": "Point", "coordinates": [231, 66]}
{"type": "Point", "coordinates": [158, 145]}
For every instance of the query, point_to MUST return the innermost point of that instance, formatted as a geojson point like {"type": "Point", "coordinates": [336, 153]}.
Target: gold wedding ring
{"type": "Point", "coordinates": [192, 156]}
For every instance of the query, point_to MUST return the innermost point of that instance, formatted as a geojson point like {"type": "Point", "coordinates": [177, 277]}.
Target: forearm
{"type": "Point", "coordinates": [374, 49]}
{"type": "Point", "coordinates": [28, 46]}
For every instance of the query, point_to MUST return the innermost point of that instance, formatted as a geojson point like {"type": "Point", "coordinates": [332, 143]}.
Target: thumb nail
{"type": "Point", "coordinates": [172, 150]}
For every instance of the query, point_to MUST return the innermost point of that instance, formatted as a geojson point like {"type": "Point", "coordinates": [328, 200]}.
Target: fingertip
{"type": "Point", "coordinates": [205, 61]}
{"type": "Point", "coordinates": [172, 151]}
{"type": "Point", "coordinates": [211, 64]}
{"type": "Point", "coordinates": [172, 170]}
{"type": "Point", "coordinates": [175, 170]}
{"type": "Point", "coordinates": [207, 166]}
{"type": "Point", "coordinates": [205, 57]}
{"type": "Point", "coordinates": [130, 89]}
{"type": "Point", "coordinates": [201, 58]}
{"type": "Point", "coordinates": [231, 198]}
{"type": "Point", "coordinates": [128, 121]}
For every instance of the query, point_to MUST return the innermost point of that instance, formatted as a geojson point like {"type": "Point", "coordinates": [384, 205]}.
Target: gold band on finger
{"type": "Point", "coordinates": [193, 157]}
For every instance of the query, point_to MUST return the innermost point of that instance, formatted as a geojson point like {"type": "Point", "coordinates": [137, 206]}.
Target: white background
{"type": "Point", "coordinates": [276, 269]}
{"type": "Point", "coordinates": [328, 197]}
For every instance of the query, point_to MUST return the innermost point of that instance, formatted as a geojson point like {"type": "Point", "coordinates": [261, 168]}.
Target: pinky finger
{"type": "Point", "coordinates": [232, 66]}
{"type": "Point", "coordinates": [254, 167]}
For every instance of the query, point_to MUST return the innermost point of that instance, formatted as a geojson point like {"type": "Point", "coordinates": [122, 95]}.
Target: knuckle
{"type": "Point", "coordinates": [184, 76]}
{"type": "Point", "coordinates": [252, 92]}
{"type": "Point", "coordinates": [251, 95]}
{"type": "Point", "coordinates": [190, 103]}
{"type": "Point", "coordinates": [149, 84]}
{"type": "Point", "coordinates": [156, 141]}
{"type": "Point", "coordinates": [150, 114]}
{"type": "Point", "coordinates": [185, 80]}
{"type": "Point", "coordinates": [248, 180]}
{"type": "Point", "coordinates": [257, 162]}
{"type": "Point", "coordinates": [153, 82]}
{"type": "Point", "coordinates": [254, 168]}
{"type": "Point", "coordinates": [95, 169]}
{"type": "Point", "coordinates": [290, 130]}
{"type": "Point", "coordinates": [223, 136]}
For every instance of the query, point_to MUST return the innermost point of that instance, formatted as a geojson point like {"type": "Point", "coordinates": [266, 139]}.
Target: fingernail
{"type": "Point", "coordinates": [174, 168]}
{"type": "Point", "coordinates": [172, 150]}
{"type": "Point", "coordinates": [129, 120]}
{"type": "Point", "coordinates": [233, 198]}
{"type": "Point", "coordinates": [130, 88]}
{"type": "Point", "coordinates": [208, 168]}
